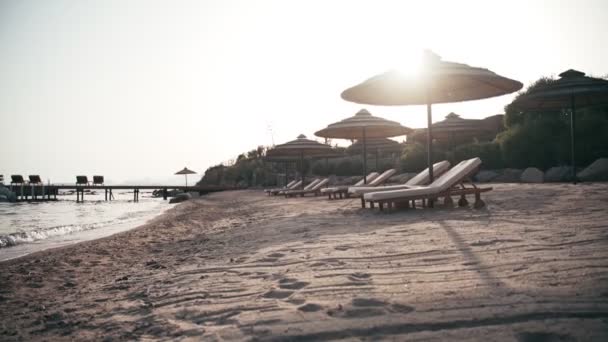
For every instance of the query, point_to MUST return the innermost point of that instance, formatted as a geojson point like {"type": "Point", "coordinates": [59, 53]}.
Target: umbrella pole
{"type": "Point", "coordinates": [302, 168]}
{"type": "Point", "coordinates": [572, 138]}
{"type": "Point", "coordinates": [186, 180]}
{"type": "Point", "coordinates": [429, 141]}
{"type": "Point", "coordinates": [364, 158]}
{"type": "Point", "coordinates": [377, 153]}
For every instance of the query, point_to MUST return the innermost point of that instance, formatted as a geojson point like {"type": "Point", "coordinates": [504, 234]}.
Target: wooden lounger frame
{"type": "Point", "coordinates": [302, 193]}
{"type": "Point", "coordinates": [338, 194]}
{"type": "Point", "coordinates": [428, 199]}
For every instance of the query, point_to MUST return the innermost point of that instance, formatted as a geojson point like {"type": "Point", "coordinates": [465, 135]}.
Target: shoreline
{"type": "Point", "coordinates": [63, 240]}
{"type": "Point", "coordinates": [241, 265]}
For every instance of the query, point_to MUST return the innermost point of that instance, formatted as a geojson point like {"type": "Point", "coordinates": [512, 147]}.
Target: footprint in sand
{"type": "Point", "coordinates": [342, 248]}
{"type": "Point", "coordinates": [543, 337]}
{"type": "Point", "coordinates": [272, 257]}
{"type": "Point", "coordinates": [275, 255]}
{"type": "Point", "coordinates": [358, 277]}
{"type": "Point", "coordinates": [310, 307]}
{"type": "Point", "coordinates": [292, 284]}
{"type": "Point", "coordinates": [277, 294]}
{"type": "Point", "coordinates": [369, 307]}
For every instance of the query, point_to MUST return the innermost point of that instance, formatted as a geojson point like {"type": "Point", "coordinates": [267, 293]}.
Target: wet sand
{"type": "Point", "coordinates": [531, 266]}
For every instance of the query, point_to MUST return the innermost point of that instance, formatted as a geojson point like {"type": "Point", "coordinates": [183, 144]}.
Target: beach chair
{"type": "Point", "coordinates": [315, 189]}
{"type": "Point", "coordinates": [295, 185]}
{"type": "Point", "coordinates": [82, 180]}
{"type": "Point", "coordinates": [286, 187]}
{"type": "Point", "coordinates": [97, 180]}
{"type": "Point", "coordinates": [421, 178]}
{"type": "Point", "coordinates": [35, 179]}
{"type": "Point", "coordinates": [384, 176]}
{"type": "Point", "coordinates": [451, 183]}
{"type": "Point", "coordinates": [17, 180]}
{"type": "Point", "coordinates": [342, 190]}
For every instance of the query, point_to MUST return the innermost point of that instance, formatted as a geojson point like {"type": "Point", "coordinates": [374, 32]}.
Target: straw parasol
{"type": "Point", "coordinates": [438, 82]}
{"type": "Point", "coordinates": [361, 126]}
{"type": "Point", "coordinates": [455, 125]}
{"type": "Point", "coordinates": [376, 145]}
{"type": "Point", "coordinates": [301, 147]}
{"type": "Point", "coordinates": [573, 89]}
{"type": "Point", "coordinates": [185, 171]}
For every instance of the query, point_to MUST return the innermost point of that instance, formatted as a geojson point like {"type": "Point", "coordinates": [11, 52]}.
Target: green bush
{"type": "Point", "coordinates": [489, 152]}
{"type": "Point", "coordinates": [414, 157]}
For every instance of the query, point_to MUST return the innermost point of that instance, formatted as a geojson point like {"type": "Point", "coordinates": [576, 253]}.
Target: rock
{"type": "Point", "coordinates": [532, 175]}
{"type": "Point", "coordinates": [597, 171]}
{"type": "Point", "coordinates": [559, 174]}
{"type": "Point", "coordinates": [180, 198]}
{"type": "Point", "coordinates": [508, 176]}
{"type": "Point", "coordinates": [484, 176]}
{"type": "Point", "coordinates": [6, 195]}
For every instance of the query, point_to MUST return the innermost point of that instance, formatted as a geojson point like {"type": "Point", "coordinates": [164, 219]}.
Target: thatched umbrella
{"type": "Point", "coordinates": [301, 147]}
{"type": "Point", "coordinates": [185, 171]}
{"type": "Point", "coordinates": [376, 145]}
{"type": "Point", "coordinates": [362, 126]}
{"type": "Point", "coordinates": [455, 125]}
{"type": "Point", "coordinates": [438, 82]}
{"type": "Point", "coordinates": [573, 89]}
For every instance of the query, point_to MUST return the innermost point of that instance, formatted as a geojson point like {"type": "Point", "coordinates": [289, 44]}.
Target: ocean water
{"type": "Point", "coordinates": [28, 227]}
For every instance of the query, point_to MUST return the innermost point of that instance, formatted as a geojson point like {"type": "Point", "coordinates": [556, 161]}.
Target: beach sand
{"type": "Point", "coordinates": [531, 266]}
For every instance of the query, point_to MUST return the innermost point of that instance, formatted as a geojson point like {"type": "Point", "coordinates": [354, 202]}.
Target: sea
{"type": "Point", "coordinates": [28, 227]}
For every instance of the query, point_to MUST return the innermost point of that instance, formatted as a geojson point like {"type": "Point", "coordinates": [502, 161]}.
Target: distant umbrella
{"type": "Point", "coordinates": [362, 126]}
{"type": "Point", "coordinates": [185, 171]}
{"type": "Point", "coordinates": [376, 145]}
{"type": "Point", "coordinates": [438, 82]}
{"type": "Point", "coordinates": [572, 90]}
{"type": "Point", "coordinates": [301, 147]}
{"type": "Point", "coordinates": [453, 126]}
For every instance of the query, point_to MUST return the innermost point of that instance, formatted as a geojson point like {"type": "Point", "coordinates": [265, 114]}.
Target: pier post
{"type": "Point", "coordinates": [33, 192]}
{"type": "Point", "coordinates": [106, 191]}
{"type": "Point", "coordinates": [165, 194]}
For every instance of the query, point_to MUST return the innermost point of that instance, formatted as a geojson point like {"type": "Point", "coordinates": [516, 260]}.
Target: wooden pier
{"type": "Point", "coordinates": [41, 192]}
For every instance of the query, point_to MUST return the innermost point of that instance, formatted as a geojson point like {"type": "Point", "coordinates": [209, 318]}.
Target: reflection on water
{"type": "Point", "coordinates": [29, 227]}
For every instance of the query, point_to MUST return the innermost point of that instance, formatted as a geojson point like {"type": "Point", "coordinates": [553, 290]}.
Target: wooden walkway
{"type": "Point", "coordinates": [41, 192]}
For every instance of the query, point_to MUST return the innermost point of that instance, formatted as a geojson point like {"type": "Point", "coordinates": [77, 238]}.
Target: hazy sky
{"type": "Point", "coordinates": [139, 89]}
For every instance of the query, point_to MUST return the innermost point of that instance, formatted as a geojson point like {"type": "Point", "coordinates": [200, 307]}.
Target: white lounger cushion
{"type": "Point", "coordinates": [286, 187]}
{"type": "Point", "coordinates": [320, 184]}
{"type": "Point", "coordinates": [370, 177]}
{"type": "Point", "coordinates": [312, 184]}
{"type": "Point", "coordinates": [377, 181]}
{"type": "Point", "coordinates": [293, 187]}
{"type": "Point", "coordinates": [420, 179]}
{"type": "Point", "coordinates": [443, 183]}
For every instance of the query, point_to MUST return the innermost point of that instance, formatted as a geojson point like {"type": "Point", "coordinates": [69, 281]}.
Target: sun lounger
{"type": "Point", "coordinates": [293, 186]}
{"type": "Point", "coordinates": [342, 190]}
{"type": "Point", "coordinates": [35, 179]}
{"type": "Point", "coordinates": [82, 180]}
{"type": "Point", "coordinates": [97, 180]}
{"type": "Point", "coordinates": [315, 189]}
{"type": "Point", "coordinates": [17, 180]}
{"type": "Point", "coordinates": [384, 176]}
{"type": "Point", "coordinates": [421, 178]}
{"type": "Point", "coordinates": [449, 184]}
{"type": "Point", "coordinates": [286, 187]}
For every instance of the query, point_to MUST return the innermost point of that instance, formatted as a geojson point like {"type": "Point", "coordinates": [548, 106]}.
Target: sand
{"type": "Point", "coordinates": [531, 266]}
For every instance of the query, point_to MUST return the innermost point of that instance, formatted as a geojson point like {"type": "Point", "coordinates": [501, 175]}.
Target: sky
{"type": "Point", "coordinates": [136, 90]}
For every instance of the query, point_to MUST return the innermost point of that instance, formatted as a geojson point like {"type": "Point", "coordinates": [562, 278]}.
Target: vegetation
{"type": "Point", "coordinates": [538, 139]}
